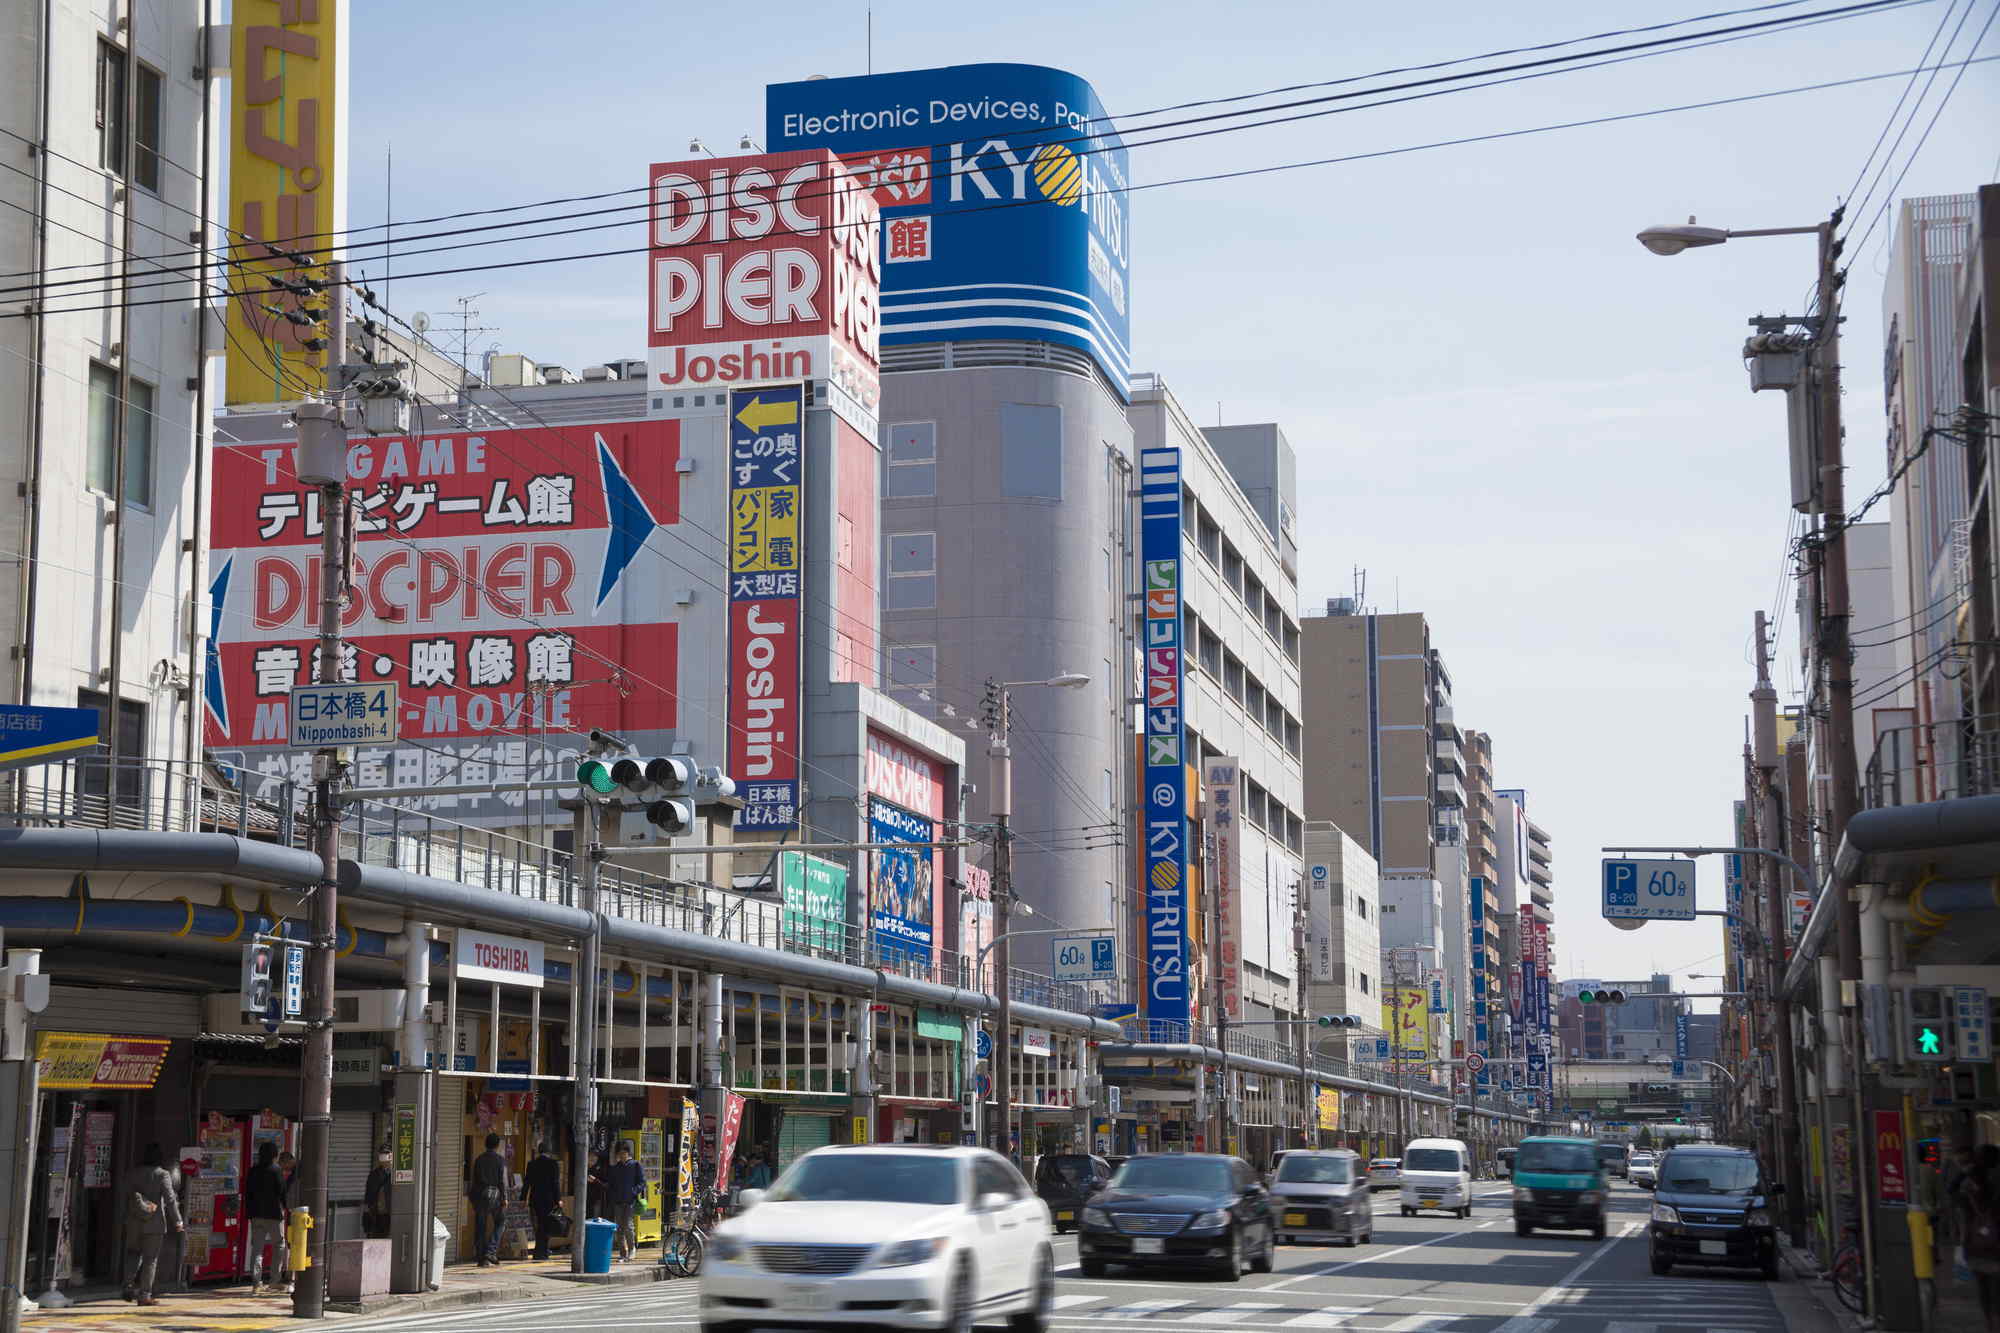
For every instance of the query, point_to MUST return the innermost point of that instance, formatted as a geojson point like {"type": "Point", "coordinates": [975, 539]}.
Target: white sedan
{"type": "Point", "coordinates": [904, 1236]}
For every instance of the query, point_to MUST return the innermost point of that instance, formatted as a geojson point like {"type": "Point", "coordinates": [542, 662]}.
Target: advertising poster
{"type": "Point", "coordinates": [1406, 1014]}
{"type": "Point", "coordinates": [499, 582]}
{"type": "Point", "coordinates": [814, 896]}
{"type": "Point", "coordinates": [1165, 809]}
{"type": "Point", "coordinates": [690, 1134]}
{"type": "Point", "coordinates": [1222, 779]}
{"type": "Point", "coordinates": [766, 582]}
{"type": "Point", "coordinates": [900, 892]}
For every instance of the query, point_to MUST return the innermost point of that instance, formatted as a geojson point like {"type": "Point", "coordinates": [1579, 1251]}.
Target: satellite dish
{"type": "Point", "coordinates": [420, 322]}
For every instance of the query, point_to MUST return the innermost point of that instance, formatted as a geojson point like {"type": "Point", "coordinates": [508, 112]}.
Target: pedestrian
{"type": "Point", "coordinates": [153, 1208]}
{"type": "Point", "coordinates": [267, 1207]}
{"type": "Point", "coordinates": [1979, 1230]}
{"type": "Point", "coordinates": [375, 1198]}
{"type": "Point", "coordinates": [760, 1173]}
{"type": "Point", "coordinates": [541, 1186]}
{"type": "Point", "coordinates": [487, 1189]}
{"type": "Point", "coordinates": [594, 1185]}
{"type": "Point", "coordinates": [289, 1166]}
{"type": "Point", "coordinates": [623, 1184]}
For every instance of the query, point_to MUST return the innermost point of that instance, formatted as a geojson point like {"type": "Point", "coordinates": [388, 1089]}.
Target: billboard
{"type": "Point", "coordinates": [814, 894]}
{"type": "Point", "coordinates": [1406, 1015]}
{"type": "Point", "coordinates": [767, 458]}
{"type": "Point", "coordinates": [287, 189]}
{"type": "Point", "coordinates": [1319, 920]}
{"type": "Point", "coordinates": [1003, 196]}
{"type": "Point", "coordinates": [763, 268]}
{"type": "Point", "coordinates": [1222, 779]}
{"type": "Point", "coordinates": [495, 582]}
{"type": "Point", "coordinates": [1165, 858]}
{"type": "Point", "coordinates": [901, 897]}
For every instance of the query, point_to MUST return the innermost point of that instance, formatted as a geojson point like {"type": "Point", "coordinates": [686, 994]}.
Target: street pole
{"type": "Point", "coordinates": [1764, 730]}
{"type": "Point", "coordinates": [316, 1092]}
{"type": "Point", "coordinates": [1001, 805]}
{"type": "Point", "coordinates": [589, 856]}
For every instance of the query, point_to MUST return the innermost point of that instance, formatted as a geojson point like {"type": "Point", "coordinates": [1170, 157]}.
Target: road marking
{"type": "Point", "coordinates": [1139, 1309]}
{"type": "Point", "coordinates": [1356, 1263]}
{"type": "Point", "coordinates": [1623, 1326]}
{"type": "Point", "coordinates": [1525, 1323]}
{"type": "Point", "coordinates": [1065, 1302]}
{"type": "Point", "coordinates": [1318, 1319]}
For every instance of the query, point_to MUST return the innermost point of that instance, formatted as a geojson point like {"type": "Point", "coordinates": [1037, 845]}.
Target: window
{"type": "Point", "coordinates": [94, 770]}
{"type": "Point", "coordinates": [1364, 982]}
{"type": "Point", "coordinates": [991, 1176]}
{"type": "Point", "coordinates": [912, 665]}
{"type": "Point", "coordinates": [1232, 675]}
{"type": "Point", "coordinates": [1211, 652]}
{"type": "Point", "coordinates": [1030, 451]}
{"type": "Point", "coordinates": [110, 108]}
{"type": "Point", "coordinates": [101, 466]}
{"type": "Point", "coordinates": [912, 582]}
{"type": "Point", "coordinates": [146, 134]}
{"type": "Point", "coordinates": [911, 463]}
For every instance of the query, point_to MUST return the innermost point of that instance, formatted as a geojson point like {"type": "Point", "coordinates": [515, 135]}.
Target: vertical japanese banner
{"type": "Point", "coordinates": [732, 1125]}
{"type": "Point", "coordinates": [1223, 781]}
{"type": "Point", "coordinates": [1166, 853]}
{"type": "Point", "coordinates": [766, 631]}
{"type": "Point", "coordinates": [1482, 1016]}
{"type": "Point", "coordinates": [690, 1135]}
{"type": "Point", "coordinates": [1319, 920]}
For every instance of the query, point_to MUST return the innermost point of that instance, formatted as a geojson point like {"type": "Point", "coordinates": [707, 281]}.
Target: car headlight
{"type": "Point", "coordinates": [1522, 1194]}
{"type": "Point", "coordinates": [1210, 1220]}
{"type": "Point", "coordinates": [1590, 1196]}
{"type": "Point", "coordinates": [726, 1248]}
{"type": "Point", "coordinates": [906, 1252]}
{"type": "Point", "coordinates": [1097, 1217]}
{"type": "Point", "coordinates": [1666, 1213]}
{"type": "Point", "coordinates": [1758, 1218]}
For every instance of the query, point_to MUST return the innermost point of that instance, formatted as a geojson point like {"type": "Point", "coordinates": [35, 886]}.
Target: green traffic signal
{"type": "Point", "coordinates": [1929, 1042]}
{"type": "Point", "coordinates": [595, 775]}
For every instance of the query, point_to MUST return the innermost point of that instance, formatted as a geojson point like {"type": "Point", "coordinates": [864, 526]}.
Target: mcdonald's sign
{"type": "Point", "coordinates": [1892, 1181]}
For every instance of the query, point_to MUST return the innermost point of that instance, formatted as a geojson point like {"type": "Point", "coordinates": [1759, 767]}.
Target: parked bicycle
{"type": "Point", "coordinates": [1846, 1272]}
{"type": "Point", "coordinates": [687, 1239]}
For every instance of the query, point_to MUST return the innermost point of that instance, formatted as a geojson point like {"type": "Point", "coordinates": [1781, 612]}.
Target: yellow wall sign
{"type": "Point", "coordinates": [1406, 1018]}
{"type": "Point", "coordinates": [84, 1060]}
{"type": "Point", "coordinates": [861, 1131]}
{"type": "Point", "coordinates": [287, 188]}
{"type": "Point", "coordinates": [1329, 1108]}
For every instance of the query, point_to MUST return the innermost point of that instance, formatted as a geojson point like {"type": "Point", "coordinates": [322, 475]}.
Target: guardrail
{"type": "Point", "coordinates": [1934, 761]}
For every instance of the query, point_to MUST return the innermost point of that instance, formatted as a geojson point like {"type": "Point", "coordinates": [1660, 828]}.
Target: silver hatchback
{"type": "Point", "coordinates": [1322, 1195]}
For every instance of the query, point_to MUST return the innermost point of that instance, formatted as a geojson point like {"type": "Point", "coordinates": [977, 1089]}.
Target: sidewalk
{"type": "Point", "coordinates": [229, 1309]}
{"type": "Point", "coordinates": [1807, 1300]}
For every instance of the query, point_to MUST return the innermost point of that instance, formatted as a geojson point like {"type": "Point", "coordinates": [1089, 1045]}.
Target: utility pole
{"type": "Point", "coordinates": [1764, 730]}
{"type": "Point", "coordinates": [326, 424]}
{"type": "Point", "coordinates": [1000, 803]}
{"type": "Point", "coordinates": [1307, 1099]}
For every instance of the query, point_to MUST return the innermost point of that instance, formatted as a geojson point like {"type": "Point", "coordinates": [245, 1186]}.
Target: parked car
{"type": "Point", "coordinates": [1385, 1173]}
{"type": "Point", "coordinates": [1277, 1160]}
{"type": "Point", "coordinates": [1504, 1164]}
{"type": "Point", "coordinates": [1065, 1182]}
{"type": "Point", "coordinates": [880, 1234]}
{"type": "Point", "coordinates": [1323, 1195]}
{"type": "Point", "coordinates": [1643, 1169]}
{"type": "Point", "coordinates": [1611, 1156]}
{"type": "Point", "coordinates": [1437, 1175]}
{"type": "Point", "coordinates": [1180, 1210]}
{"type": "Point", "coordinates": [1558, 1182]}
{"type": "Point", "coordinates": [1711, 1206]}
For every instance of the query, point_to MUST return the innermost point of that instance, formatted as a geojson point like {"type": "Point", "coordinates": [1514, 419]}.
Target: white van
{"type": "Point", "coordinates": [1437, 1175]}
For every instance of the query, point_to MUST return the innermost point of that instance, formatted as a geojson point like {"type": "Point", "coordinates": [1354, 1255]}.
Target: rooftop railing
{"type": "Point", "coordinates": [1934, 761]}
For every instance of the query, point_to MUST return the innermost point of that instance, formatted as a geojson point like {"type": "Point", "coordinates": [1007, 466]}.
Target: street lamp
{"type": "Point", "coordinates": [998, 708]}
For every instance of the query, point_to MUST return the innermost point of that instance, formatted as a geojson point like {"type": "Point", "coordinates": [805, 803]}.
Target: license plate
{"type": "Point", "coordinates": [1145, 1246]}
{"type": "Point", "coordinates": [801, 1297]}
{"type": "Point", "coordinates": [1714, 1247]}
{"type": "Point", "coordinates": [1430, 1203]}
{"type": "Point", "coordinates": [1065, 1217]}
{"type": "Point", "coordinates": [1295, 1219]}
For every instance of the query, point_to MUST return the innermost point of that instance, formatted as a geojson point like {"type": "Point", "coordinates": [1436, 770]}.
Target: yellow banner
{"type": "Point", "coordinates": [72, 1061]}
{"type": "Point", "coordinates": [286, 190]}
{"type": "Point", "coordinates": [1406, 1018]}
{"type": "Point", "coordinates": [1329, 1108]}
{"type": "Point", "coordinates": [690, 1131]}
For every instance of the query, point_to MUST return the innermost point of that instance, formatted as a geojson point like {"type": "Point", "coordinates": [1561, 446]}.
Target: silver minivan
{"type": "Point", "coordinates": [1322, 1195]}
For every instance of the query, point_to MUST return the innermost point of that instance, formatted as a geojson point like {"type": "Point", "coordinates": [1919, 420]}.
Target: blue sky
{"type": "Point", "coordinates": [1506, 412]}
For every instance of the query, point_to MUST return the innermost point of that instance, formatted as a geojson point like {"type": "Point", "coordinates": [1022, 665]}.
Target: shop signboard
{"type": "Point", "coordinates": [900, 896]}
{"type": "Point", "coordinates": [1003, 194]}
{"type": "Point", "coordinates": [481, 955]}
{"type": "Point", "coordinates": [814, 894]}
{"type": "Point", "coordinates": [1406, 1013]}
{"type": "Point", "coordinates": [690, 1134]}
{"type": "Point", "coordinates": [358, 1065]}
{"type": "Point", "coordinates": [732, 1125]}
{"type": "Point", "coordinates": [78, 1061]}
{"type": "Point", "coordinates": [1328, 1102]}
{"type": "Point", "coordinates": [1319, 920]}
{"type": "Point", "coordinates": [405, 1164]}
{"type": "Point", "coordinates": [1222, 780]}
{"type": "Point", "coordinates": [1165, 861]}
{"type": "Point", "coordinates": [34, 735]}
{"type": "Point", "coordinates": [1034, 1041]}
{"type": "Point", "coordinates": [497, 584]}
{"type": "Point", "coordinates": [766, 431]}
{"type": "Point", "coordinates": [1892, 1184]}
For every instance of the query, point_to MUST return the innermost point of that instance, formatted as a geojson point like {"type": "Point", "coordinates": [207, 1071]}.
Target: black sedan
{"type": "Point", "coordinates": [1710, 1208]}
{"type": "Point", "coordinates": [1180, 1210]}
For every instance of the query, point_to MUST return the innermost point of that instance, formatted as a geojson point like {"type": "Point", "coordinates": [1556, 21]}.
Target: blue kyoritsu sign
{"type": "Point", "coordinates": [899, 887]}
{"type": "Point", "coordinates": [1482, 1032]}
{"type": "Point", "coordinates": [1002, 188]}
{"type": "Point", "coordinates": [1166, 775]}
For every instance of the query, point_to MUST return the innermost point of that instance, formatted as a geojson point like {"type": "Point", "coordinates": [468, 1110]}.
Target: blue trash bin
{"type": "Point", "coordinates": [598, 1237]}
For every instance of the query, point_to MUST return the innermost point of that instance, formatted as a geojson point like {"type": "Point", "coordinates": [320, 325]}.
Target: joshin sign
{"type": "Point", "coordinates": [766, 564]}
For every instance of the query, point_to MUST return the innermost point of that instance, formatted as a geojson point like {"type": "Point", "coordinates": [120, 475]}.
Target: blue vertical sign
{"type": "Point", "coordinates": [1482, 1032]}
{"type": "Point", "coordinates": [1166, 863]}
{"type": "Point", "coordinates": [1680, 1045]}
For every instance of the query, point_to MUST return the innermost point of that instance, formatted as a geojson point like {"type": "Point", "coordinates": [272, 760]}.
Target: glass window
{"type": "Point", "coordinates": [869, 1177]}
{"type": "Point", "coordinates": [1303, 1169]}
{"type": "Point", "coordinates": [94, 770]}
{"type": "Point", "coordinates": [993, 1176]}
{"type": "Point", "coordinates": [1556, 1157]}
{"type": "Point", "coordinates": [110, 108]}
{"type": "Point", "coordinates": [1433, 1159]}
{"type": "Point", "coordinates": [1709, 1173]}
{"type": "Point", "coordinates": [139, 445]}
{"type": "Point", "coordinates": [912, 581]}
{"type": "Point", "coordinates": [910, 465]}
{"type": "Point", "coordinates": [146, 134]}
{"type": "Point", "coordinates": [1030, 451]}
{"type": "Point", "coordinates": [101, 466]}
{"type": "Point", "coordinates": [1165, 1174]}
{"type": "Point", "coordinates": [912, 665]}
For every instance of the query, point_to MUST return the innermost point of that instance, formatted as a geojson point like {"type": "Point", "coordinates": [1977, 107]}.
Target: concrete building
{"type": "Point", "coordinates": [105, 402]}
{"type": "Point", "coordinates": [1343, 926]}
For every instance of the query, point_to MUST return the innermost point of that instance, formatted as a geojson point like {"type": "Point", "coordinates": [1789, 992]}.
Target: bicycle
{"type": "Point", "coordinates": [687, 1240]}
{"type": "Point", "coordinates": [1846, 1272]}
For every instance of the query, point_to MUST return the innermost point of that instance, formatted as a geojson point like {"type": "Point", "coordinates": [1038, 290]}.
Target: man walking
{"type": "Point", "coordinates": [623, 1184]}
{"type": "Point", "coordinates": [541, 1186]}
{"type": "Point", "coordinates": [154, 1210]}
{"type": "Point", "coordinates": [488, 1192]}
{"type": "Point", "coordinates": [268, 1208]}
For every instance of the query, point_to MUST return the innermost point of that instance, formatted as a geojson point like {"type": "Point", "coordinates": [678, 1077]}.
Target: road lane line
{"type": "Point", "coordinates": [1524, 1322]}
{"type": "Point", "coordinates": [1356, 1263]}
{"type": "Point", "coordinates": [1065, 1302]}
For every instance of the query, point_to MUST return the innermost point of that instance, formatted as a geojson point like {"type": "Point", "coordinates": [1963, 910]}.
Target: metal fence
{"type": "Point", "coordinates": [1935, 761]}
{"type": "Point", "coordinates": [172, 796]}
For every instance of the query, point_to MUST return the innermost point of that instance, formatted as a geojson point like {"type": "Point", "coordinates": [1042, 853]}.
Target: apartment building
{"type": "Point", "coordinates": [1343, 930]}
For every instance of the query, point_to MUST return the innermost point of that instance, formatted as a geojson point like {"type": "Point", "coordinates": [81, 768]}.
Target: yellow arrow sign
{"type": "Point", "coordinates": [760, 415]}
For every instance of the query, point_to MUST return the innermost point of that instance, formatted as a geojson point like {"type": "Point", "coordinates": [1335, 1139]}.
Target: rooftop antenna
{"type": "Point", "coordinates": [871, 39]}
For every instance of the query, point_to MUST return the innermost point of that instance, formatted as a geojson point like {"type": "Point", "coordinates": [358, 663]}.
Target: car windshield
{"type": "Point", "coordinates": [1642, 1159]}
{"type": "Point", "coordinates": [1067, 1169]}
{"type": "Point", "coordinates": [1709, 1173]}
{"type": "Point", "coordinates": [1431, 1159]}
{"type": "Point", "coordinates": [869, 1177]}
{"type": "Point", "coordinates": [1313, 1170]}
{"type": "Point", "coordinates": [1179, 1175]}
{"type": "Point", "coordinates": [1610, 1153]}
{"type": "Point", "coordinates": [1555, 1157]}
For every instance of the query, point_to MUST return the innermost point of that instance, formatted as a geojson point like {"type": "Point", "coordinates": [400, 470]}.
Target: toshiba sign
{"type": "Point", "coordinates": [764, 268]}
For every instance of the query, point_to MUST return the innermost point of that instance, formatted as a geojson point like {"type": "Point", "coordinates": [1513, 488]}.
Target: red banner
{"type": "Point", "coordinates": [1892, 1184]}
{"type": "Point", "coordinates": [732, 1123]}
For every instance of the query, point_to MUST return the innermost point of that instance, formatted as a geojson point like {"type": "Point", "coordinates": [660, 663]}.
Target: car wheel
{"type": "Point", "coordinates": [1661, 1264]}
{"type": "Point", "coordinates": [1465, 1213]}
{"type": "Point", "coordinates": [1035, 1319]}
{"type": "Point", "coordinates": [1769, 1268]}
{"type": "Point", "coordinates": [1523, 1229]}
{"type": "Point", "coordinates": [1407, 1210]}
{"type": "Point", "coordinates": [1232, 1266]}
{"type": "Point", "coordinates": [1597, 1232]}
{"type": "Point", "coordinates": [958, 1309]}
{"type": "Point", "coordinates": [1090, 1267]}
{"type": "Point", "coordinates": [1267, 1258]}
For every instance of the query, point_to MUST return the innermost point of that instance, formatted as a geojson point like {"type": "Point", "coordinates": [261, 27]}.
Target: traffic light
{"type": "Point", "coordinates": [594, 775]}
{"type": "Point", "coordinates": [1600, 997]}
{"type": "Point", "coordinates": [1926, 1034]}
{"type": "Point", "coordinates": [1338, 1021]}
{"type": "Point", "coordinates": [257, 962]}
{"type": "Point", "coordinates": [662, 783]}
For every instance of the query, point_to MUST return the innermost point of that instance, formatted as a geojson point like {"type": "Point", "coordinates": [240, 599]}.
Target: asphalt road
{"type": "Point", "coordinates": [1421, 1275]}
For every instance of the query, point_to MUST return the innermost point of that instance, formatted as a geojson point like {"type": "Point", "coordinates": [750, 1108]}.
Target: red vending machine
{"type": "Point", "coordinates": [217, 1229]}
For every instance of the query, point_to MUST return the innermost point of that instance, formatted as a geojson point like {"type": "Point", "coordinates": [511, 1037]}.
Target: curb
{"type": "Point", "coordinates": [1807, 1281]}
{"type": "Point", "coordinates": [523, 1289]}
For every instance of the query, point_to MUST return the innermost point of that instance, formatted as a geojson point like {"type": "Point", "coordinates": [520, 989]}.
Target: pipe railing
{"type": "Point", "coordinates": [1934, 761]}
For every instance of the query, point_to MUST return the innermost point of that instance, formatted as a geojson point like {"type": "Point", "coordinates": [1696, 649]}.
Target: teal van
{"type": "Point", "coordinates": [1558, 1183]}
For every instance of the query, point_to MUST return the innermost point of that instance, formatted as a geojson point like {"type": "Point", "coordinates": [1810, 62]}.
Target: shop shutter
{"type": "Point", "coordinates": [351, 1156]}
{"type": "Point", "coordinates": [799, 1133]}
{"type": "Point", "coordinates": [448, 1184]}
{"type": "Point", "coordinates": [121, 1011]}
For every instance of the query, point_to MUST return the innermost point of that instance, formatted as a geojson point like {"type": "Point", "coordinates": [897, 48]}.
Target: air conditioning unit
{"type": "Point", "coordinates": [598, 374]}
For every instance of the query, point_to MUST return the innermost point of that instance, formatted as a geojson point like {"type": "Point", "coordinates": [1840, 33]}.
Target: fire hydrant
{"type": "Point", "coordinates": [297, 1228]}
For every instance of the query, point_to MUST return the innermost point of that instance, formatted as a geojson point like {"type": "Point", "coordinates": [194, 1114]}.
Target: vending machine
{"type": "Point", "coordinates": [217, 1228]}
{"type": "Point", "coordinates": [649, 1149]}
